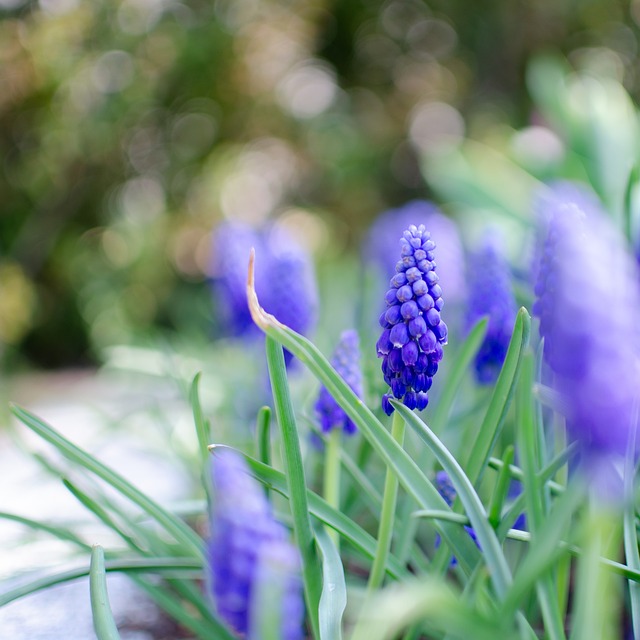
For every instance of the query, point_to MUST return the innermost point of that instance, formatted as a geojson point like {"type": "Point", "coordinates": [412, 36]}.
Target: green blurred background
{"type": "Point", "coordinates": [129, 129]}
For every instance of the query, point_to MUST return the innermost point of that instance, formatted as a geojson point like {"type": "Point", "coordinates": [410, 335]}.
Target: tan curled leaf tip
{"type": "Point", "coordinates": [258, 314]}
{"type": "Point", "coordinates": [214, 448]}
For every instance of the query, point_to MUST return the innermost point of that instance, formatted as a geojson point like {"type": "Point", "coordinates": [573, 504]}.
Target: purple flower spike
{"type": "Point", "coordinates": [413, 326]}
{"type": "Point", "coordinates": [249, 552]}
{"type": "Point", "coordinates": [285, 280]}
{"type": "Point", "coordinates": [588, 307]}
{"type": "Point", "coordinates": [382, 248]}
{"type": "Point", "coordinates": [232, 242]}
{"type": "Point", "coordinates": [490, 294]}
{"type": "Point", "coordinates": [346, 361]}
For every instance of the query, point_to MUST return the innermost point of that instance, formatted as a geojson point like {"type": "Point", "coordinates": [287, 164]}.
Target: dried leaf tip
{"type": "Point", "coordinates": [262, 319]}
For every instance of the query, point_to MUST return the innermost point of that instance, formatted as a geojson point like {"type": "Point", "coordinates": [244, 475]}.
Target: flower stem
{"type": "Point", "coordinates": [385, 530]}
{"type": "Point", "coordinates": [332, 477]}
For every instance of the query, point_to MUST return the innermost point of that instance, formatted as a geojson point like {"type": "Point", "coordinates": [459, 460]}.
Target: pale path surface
{"type": "Point", "coordinates": [131, 423]}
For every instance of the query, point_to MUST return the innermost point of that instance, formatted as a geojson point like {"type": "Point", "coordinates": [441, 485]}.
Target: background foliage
{"type": "Point", "coordinates": [129, 129]}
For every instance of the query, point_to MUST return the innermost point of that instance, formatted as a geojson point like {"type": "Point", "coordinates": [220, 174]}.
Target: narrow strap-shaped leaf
{"type": "Point", "coordinates": [263, 435]}
{"type": "Point", "coordinates": [60, 532]}
{"type": "Point", "coordinates": [292, 457]}
{"type": "Point", "coordinates": [491, 549]}
{"type": "Point", "coordinates": [173, 525]}
{"type": "Point", "coordinates": [525, 536]}
{"type": "Point", "coordinates": [545, 551]}
{"type": "Point", "coordinates": [203, 434]}
{"type": "Point", "coordinates": [409, 474]}
{"type": "Point", "coordinates": [167, 601]}
{"type": "Point", "coordinates": [388, 512]}
{"type": "Point", "coordinates": [103, 622]}
{"type": "Point", "coordinates": [334, 589]}
{"type": "Point", "coordinates": [529, 443]}
{"type": "Point", "coordinates": [171, 566]}
{"type": "Point", "coordinates": [98, 508]}
{"type": "Point", "coordinates": [318, 507]}
{"type": "Point", "coordinates": [629, 524]}
{"type": "Point", "coordinates": [464, 358]}
{"type": "Point", "coordinates": [501, 489]}
{"type": "Point", "coordinates": [431, 601]}
{"type": "Point", "coordinates": [632, 183]}
{"type": "Point", "coordinates": [500, 399]}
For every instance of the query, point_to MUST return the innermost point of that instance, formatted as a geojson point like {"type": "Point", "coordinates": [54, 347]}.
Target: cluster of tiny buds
{"type": "Point", "coordinates": [413, 331]}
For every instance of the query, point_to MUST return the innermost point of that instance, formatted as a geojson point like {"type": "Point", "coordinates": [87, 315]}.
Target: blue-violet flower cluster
{"type": "Point", "coordinates": [250, 554]}
{"type": "Point", "coordinates": [490, 294]}
{"type": "Point", "coordinates": [413, 331]}
{"type": "Point", "coordinates": [284, 276]}
{"type": "Point", "coordinates": [381, 245]}
{"type": "Point", "coordinates": [346, 361]}
{"type": "Point", "coordinates": [588, 305]}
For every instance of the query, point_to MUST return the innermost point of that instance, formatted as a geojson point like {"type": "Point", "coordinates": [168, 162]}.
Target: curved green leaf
{"type": "Point", "coordinates": [318, 507]}
{"type": "Point", "coordinates": [491, 550]}
{"type": "Point", "coordinates": [334, 589]}
{"type": "Point", "coordinates": [103, 622]}
{"type": "Point", "coordinates": [500, 399]}
{"type": "Point", "coordinates": [188, 538]}
{"type": "Point", "coordinates": [295, 479]}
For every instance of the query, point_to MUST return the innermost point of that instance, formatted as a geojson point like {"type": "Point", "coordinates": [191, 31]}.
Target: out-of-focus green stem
{"type": "Point", "coordinates": [389, 498]}
{"type": "Point", "coordinates": [332, 476]}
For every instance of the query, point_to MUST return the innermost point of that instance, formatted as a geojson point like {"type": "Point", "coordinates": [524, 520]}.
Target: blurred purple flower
{"type": "Point", "coordinates": [287, 287]}
{"type": "Point", "coordinates": [346, 361]}
{"type": "Point", "coordinates": [555, 199]}
{"type": "Point", "coordinates": [232, 242]}
{"type": "Point", "coordinates": [381, 245]}
{"type": "Point", "coordinates": [249, 549]}
{"type": "Point", "coordinates": [412, 331]}
{"type": "Point", "coordinates": [491, 294]}
{"type": "Point", "coordinates": [588, 305]}
{"type": "Point", "coordinates": [285, 278]}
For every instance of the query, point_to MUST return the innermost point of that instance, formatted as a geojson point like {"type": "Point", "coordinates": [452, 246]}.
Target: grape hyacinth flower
{"type": "Point", "coordinates": [553, 200]}
{"type": "Point", "coordinates": [346, 361]}
{"type": "Point", "coordinates": [381, 246]}
{"type": "Point", "coordinates": [284, 275]}
{"type": "Point", "coordinates": [447, 491]}
{"type": "Point", "coordinates": [490, 294]}
{"type": "Point", "coordinates": [249, 553]}
{"type": "Point", "coordinates": [287, 285]}
{"type": "Point", "coordinates": [413, 332]}
{"type": "Point", "coordinates": [588, 305]}
{"type": "Point", "coordinates": [232, 242]}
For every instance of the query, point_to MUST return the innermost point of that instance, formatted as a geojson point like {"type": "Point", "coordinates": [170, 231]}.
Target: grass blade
{"type": "Point", "coordinates": [203, 433]}
{"type": "Point", "coordinates": [629, 527]}
{"type": "Point", "coordinates": [529, 440]}
{"type": "Point", "coordinates": [491, 550]}
{"type": "Point", "coordinates": [188, 538]}
{"type": "Point", "coordinates": [319, 508]}
{"type": "Point", "coordinates": [464, 358]}
{"type": "Point", "coordinates": [103, 622]}
{"type": "Point", "coordinates": [295, 479]}
{"type": "Point", "coordinates": [500, 399]}
{"type": "Point", "coordinates": [545, 550]}
{"type": "Point", "coordinates": [388, 512]}
{"type": "Point", "coordinates": [62, 533]}
{"type": "Point", "coordinates": [431, 602]}
{"type": "Point", "coordinates": [334, 589]}
{"type": "Point", "coordinates": [263, 435]}
{"type": "Point", "coordinates": [189, 567]}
